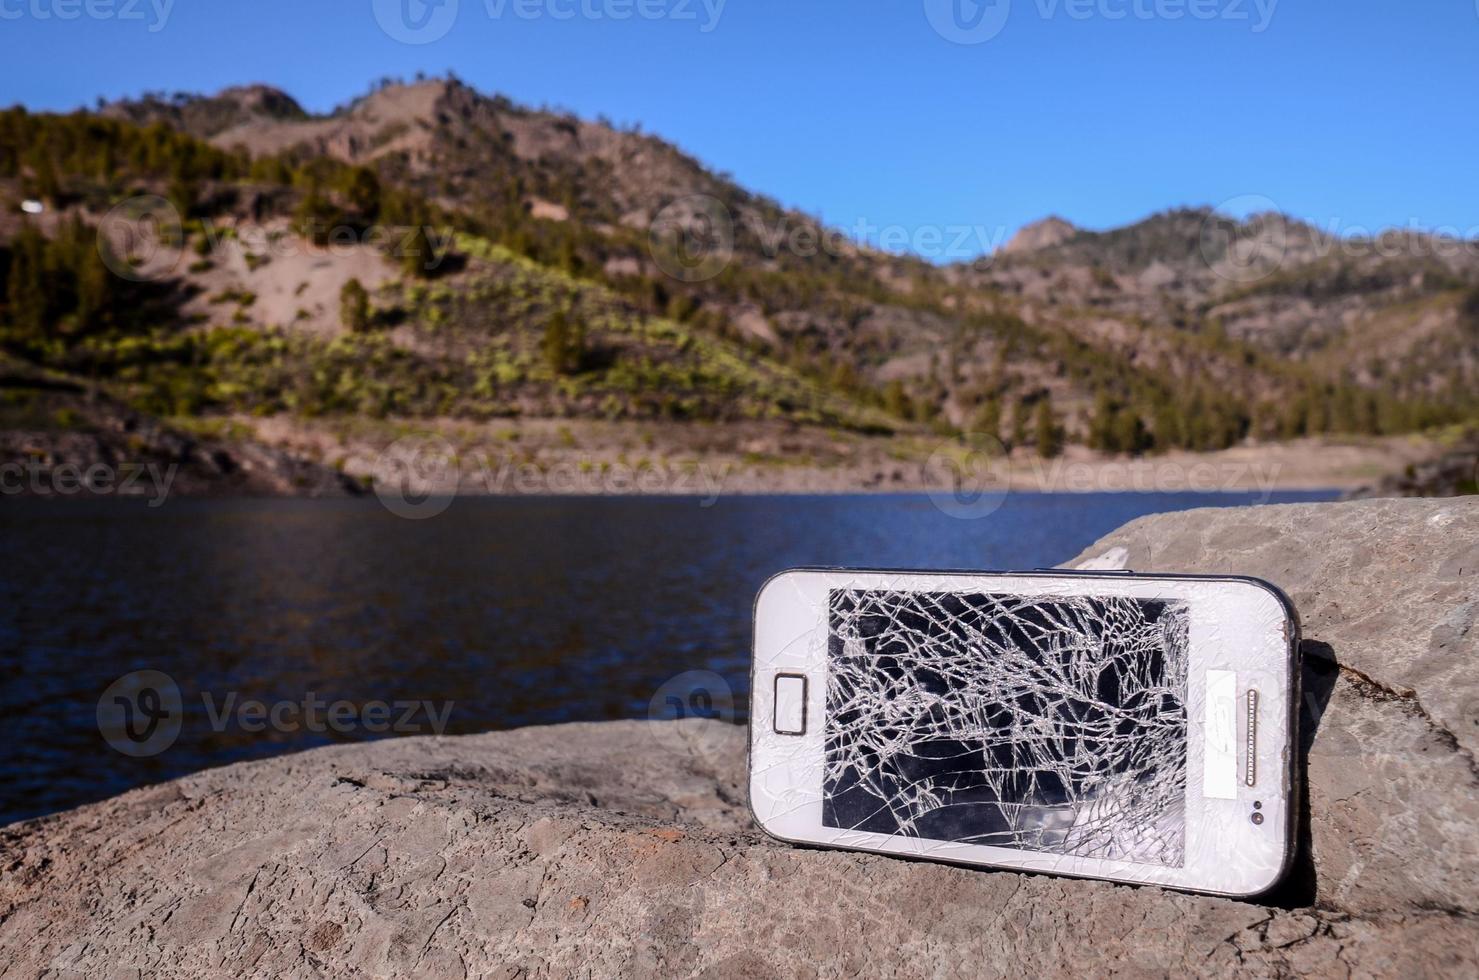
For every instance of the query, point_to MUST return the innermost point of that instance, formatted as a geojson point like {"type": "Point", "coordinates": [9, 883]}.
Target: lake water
{"type": "Point", "coordinates": [517, 611]}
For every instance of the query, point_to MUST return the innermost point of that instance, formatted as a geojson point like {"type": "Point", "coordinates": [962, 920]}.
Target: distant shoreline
{"type": "Point", "coordinates": [555, 458]}
{"type": "Point", "coordinates": [941, 467]}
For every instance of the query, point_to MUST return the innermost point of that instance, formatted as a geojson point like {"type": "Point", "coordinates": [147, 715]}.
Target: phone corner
{"type": "Point", "coordinates": [773, 581]}
{"type": "Point", "coordinates": [770, 831]}
{"type": "Point", "coordinates": [764, 826]}
{"type": "Point", "coordinates": [1286, 608]}
{"type": "Point", "coordinates": [1266, 880]}
{"type": "Point", "coordinates": [1276, 877]}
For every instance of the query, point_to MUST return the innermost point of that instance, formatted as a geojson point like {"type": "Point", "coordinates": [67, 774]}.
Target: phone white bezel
{"type": "Point", "coordinates": [1237, 624]}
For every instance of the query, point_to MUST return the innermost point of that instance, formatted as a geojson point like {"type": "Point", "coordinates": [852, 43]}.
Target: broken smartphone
{"type": "Point", "coordinates": [1136, 728]}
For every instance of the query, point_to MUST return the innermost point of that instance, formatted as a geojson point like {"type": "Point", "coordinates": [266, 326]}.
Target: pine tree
{"type": "Point", "coordinates": [1128, 433]}
{"type": "Point", "coordinates": [25, 298]}
{"type": "Point", "coordinates": [97, 287]}
{"type": "Point", "coordinates": [182, 194]}
{"type": "Point", "coordinates": [317, 217]}
{"type": "Point", "coordinates": [564, 344]}
{"type": "Point", "coordinates": [1019, 425]}
{"type": "Point", "coordinates": [1049, 434]}
{"type": "Point", "coordinates": [1102, 432]}
{"type": "Point", "coordinates": [354, 306]}
{"type": "Point", "coordinates": [565, 255]}
{"type": "Point", "coordinates": [1168, 425]}
{"type": "Point", "coordinates": [417, 256]}
{"type": "Point", "coordinates": [1294, 419]}
{"type": "Point", "coordinates": [362, 191]}
{"type": "Point", "coordinates": [45, 184]}
{"type": "Point", "coordinates": [1468, 311]}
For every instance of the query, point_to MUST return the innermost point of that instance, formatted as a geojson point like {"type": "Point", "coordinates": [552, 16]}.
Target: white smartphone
{"type": "Point", "coordinates": [1137, 728]}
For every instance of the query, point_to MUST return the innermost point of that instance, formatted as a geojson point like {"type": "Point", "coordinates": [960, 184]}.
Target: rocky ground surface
{"type": "Point", "coordinates": [60, 439]}
{"type": "Point", "coordinates": [1453, 472]}
{"type": "Point", "coordinates": [564, 456]}
{"type": "Point", "coordinates": [625, 848]}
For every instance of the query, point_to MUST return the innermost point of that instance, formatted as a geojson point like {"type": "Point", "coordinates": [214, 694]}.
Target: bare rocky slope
{"type": "Point", "coordinates": [514, 273]}
{"type": "Point", "coordinates": [625, 848]}
{"type": "Point", "coordinates": [1265, 310]}
{"type": "Point", "coordinates": [61, 438]}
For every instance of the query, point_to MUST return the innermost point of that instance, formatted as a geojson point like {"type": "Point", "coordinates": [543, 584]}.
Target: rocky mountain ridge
{"type": "Point", "coordinates": [1188, 330]}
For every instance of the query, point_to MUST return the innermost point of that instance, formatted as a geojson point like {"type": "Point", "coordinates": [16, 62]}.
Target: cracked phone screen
{"type": "Point", "coordinates": [1053, 724]}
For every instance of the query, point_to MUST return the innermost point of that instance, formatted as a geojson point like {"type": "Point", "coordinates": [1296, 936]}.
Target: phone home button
{"type": "Point", "coordinates": [790, 704]}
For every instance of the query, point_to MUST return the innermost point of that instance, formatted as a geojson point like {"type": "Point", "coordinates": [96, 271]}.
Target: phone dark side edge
{"type": "Point", "coordinates": [1291, 774]}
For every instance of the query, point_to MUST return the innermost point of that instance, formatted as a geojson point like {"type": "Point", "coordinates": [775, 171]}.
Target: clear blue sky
{"type": "Point", "coordinates": [1349, 113]}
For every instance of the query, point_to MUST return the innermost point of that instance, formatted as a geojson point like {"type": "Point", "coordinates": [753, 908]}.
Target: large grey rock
{"type": "Point", "coordinates": [1388, 592]}
{"type": "Point", "coordinates": [625, 849]}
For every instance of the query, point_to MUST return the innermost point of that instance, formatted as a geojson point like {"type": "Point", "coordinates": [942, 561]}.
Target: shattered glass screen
{"type": "Point", "coordinates": [1052, 724]}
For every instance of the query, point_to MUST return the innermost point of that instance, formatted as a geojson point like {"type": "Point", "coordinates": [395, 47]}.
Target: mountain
{"type": "Point", "coordinates": [449, 140]}
{"type": "Point", "coordinates": [1386, 313]}
{"type": "Point", "coordinates": [433, 255]}
{"type": "Point", "coordinates": [208, 116]}
{"type": "Point", "coordinates": [1045, 233]}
